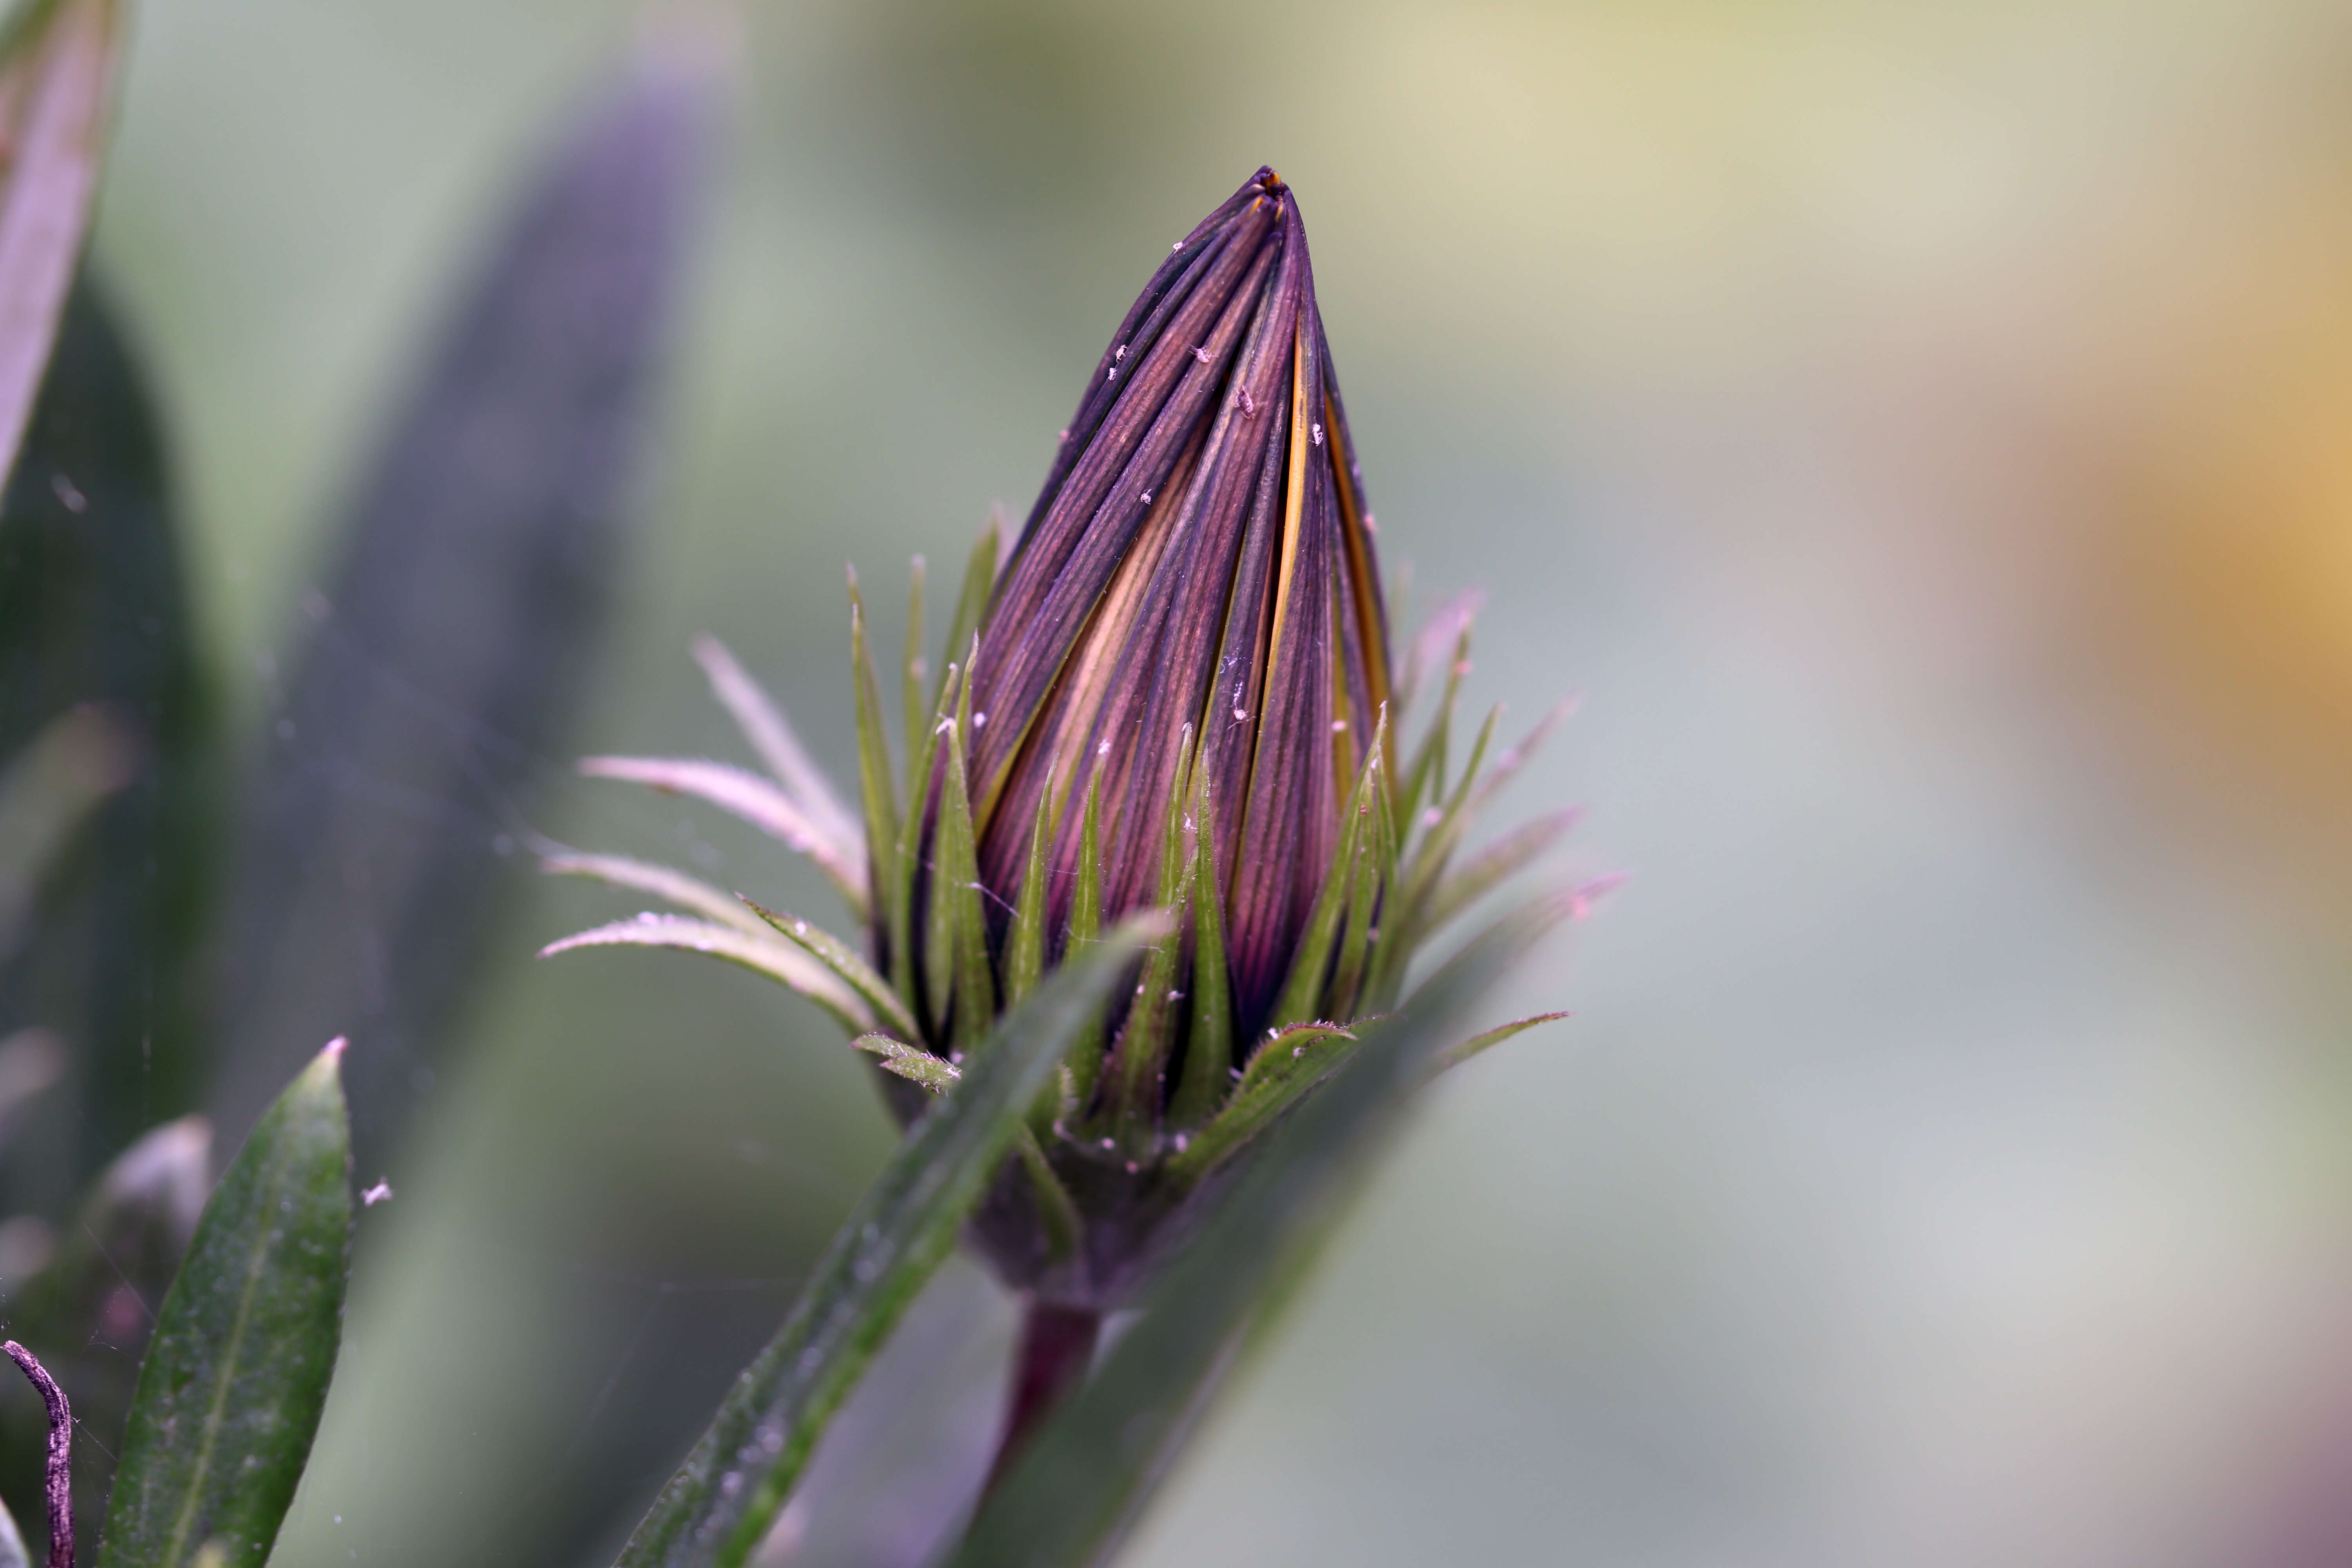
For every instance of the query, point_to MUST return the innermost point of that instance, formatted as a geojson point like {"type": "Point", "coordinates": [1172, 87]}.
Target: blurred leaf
{"type": "Point", "coordinates": [1072, 1497]}
{"type": "Point", "coordinates": [12, 1543]}
{"type": "Point", "coordinates": [98, 652]}
{"type": "Point", "coordinates": [56, 75]}
{"type": "Point", "coordinates": [79, 759]}
{"type": "Point", "coordinates": [31, 1060]}
{"type": "Point", "coordinates": [722, 1501]}
{"type": "Point", "coordinates": [234, 1382]}
{"type": "Point", "coordinates": [93, 1301]}
{"type": "Point", "coordinates": [455, 631]}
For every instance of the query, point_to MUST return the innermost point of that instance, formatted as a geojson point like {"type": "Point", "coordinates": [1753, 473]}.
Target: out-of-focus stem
{"type": "Point", "coordinates": [1057, 1345]}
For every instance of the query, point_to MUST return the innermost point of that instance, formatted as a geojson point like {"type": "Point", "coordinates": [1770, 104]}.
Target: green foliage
{"type": "Point", "coordinates": [98, 662]}
{"type": "Point", "coordinates": [245, 1343]}
{"type": "Point", "coordinates": [1069, 1500]}
{"type": "Point", "coordinates": [721, 1502]}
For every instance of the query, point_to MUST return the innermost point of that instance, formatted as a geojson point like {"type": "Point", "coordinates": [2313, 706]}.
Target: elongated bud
{"type": "Point", "coordinates": [1200, 559]}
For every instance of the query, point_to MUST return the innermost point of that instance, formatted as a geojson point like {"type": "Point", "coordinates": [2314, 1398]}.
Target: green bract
{"type": "Point", "coordinates": [1174, 689]}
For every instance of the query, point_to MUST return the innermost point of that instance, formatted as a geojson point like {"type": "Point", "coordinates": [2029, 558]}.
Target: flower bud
{"type": "Point", "coordinates": [1193, 608]}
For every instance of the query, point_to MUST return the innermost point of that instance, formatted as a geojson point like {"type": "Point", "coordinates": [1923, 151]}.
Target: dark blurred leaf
{"type": "Point", "coordinates": [723, 1501]}
{"type": "Point", "coordinates": [93, 1303]}
{"type": "Point", "coordinates": [456, 628]}
{"type": "Point", "coordinates": [79, 759]}
{"type": "Point", "coordinates": [56, 75]}
{"type": "Point", "coordinates": [230, 1392]}
{"type": "Point", "coordinates": [97, 642]}
{"type": "Point", "coordinates": [1071, 1499]}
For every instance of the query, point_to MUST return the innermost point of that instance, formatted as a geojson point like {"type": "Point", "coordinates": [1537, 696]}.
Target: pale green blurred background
{"type": "Point", "coordinates": [1920, 434]}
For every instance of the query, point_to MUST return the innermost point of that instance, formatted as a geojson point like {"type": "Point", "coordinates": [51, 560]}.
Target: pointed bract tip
{"type": "Point", "coordinates": [335, 1051]}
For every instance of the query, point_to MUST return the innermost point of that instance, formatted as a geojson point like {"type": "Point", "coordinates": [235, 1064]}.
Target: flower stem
{"type": "Point", "coordinates": [1057, 1345]}
{"type": "Point", "coordinates": [59, 1486]}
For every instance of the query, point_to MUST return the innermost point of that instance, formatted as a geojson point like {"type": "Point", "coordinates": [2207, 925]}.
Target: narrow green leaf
{"type": "Point", "coordinates": [1025, 951]}
{"type": "Point", "coordinates": [1209, 1050]}
{"type": "Point", "coordinates": [1424, 777]}
{"type": "Point", "coordinates": [1455, 1055]}
{"type": "Point", "coordinates": [1513, 852]}
{"type": "Point", "coordinates": [1408, 926]}
{"type": "Point", "coordinates": [846, 965]}
{"type": "Point", "coordinates": [234, 1378]}
{"type": "Point", "coordinates": [915, 713]}
{"type": "Point", "coordinates": [1138, 1063]}
{"type": "Point", "coordinates": [762, 953]}
{"type": "Point", "coordinates": [910, 1062]}
{"type": "Point", "coordinates": [57, 80]}
{"type": "Point", "coordinates": [979, 577]}
{"type": "Point", "coordinates": [1286, 1066]}
{"type": "Point", "coordinates": [1301, 999]}
{"type": "Point", "coordinates": [1085, 1058]}
{"type": "Point", "coordinates": [687, 892]}
{"type": "Point", "coordinates": [721, 1504]}
{"type": "Point", "coordinates": [975, 982]}
{"type": "Point", "coordinates": [887, 869]}
{"type": "Point", "coordinates": [1373, 857]}
{"type": "Point", "coordinates": [1083, 1482]}
{"type": "Point", "coordinates": [1057, 1212]}
{"type": "Point", "coordinates": [939, 909]}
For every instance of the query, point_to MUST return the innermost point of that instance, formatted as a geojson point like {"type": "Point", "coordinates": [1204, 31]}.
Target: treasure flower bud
{"type": "Point", "coordinates": [1175, 689]}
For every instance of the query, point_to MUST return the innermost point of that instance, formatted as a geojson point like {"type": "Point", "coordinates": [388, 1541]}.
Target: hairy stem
{"type": "Point", "coordinates": [59, 1484]}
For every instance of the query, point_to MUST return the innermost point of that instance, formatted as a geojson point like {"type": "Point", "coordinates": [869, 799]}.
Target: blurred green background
{"type": "Point", "coordinates": [1918, 432]}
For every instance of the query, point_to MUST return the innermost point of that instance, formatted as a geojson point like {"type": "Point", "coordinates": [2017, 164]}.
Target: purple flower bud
{"type": "Point", "coordinates": [1195, 593]}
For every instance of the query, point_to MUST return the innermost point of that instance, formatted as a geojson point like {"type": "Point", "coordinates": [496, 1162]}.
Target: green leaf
{"type": "Point", "coordinates": [1286, 1066]}
{"type": "Point", "coordinates": [1303, 992]}
{"type": "Point", "coordinates": [915, 712]}
{"type": "Point", "coordinates": [1071, 1497]}
{"type": "Point", "coordinates": [1455, 1055]}
{"type": "Point", "coordinates": [721, 1504]}
{"type": "Point", "coordinates": [57, 79]}
{"type": "Point", "coordinates": [842, 959]}
{"type": "Point", "coordinates": [1085, 1058]}
{"type": "Point", "coordinates": [117, 952]}
{"type": "Point", "coordinates": [1209, 1050]}
{"type": "Point", "coordinates": [1138, 1062]}
{"type": "Point", "coordinates": [886, 867]}
{"type": "Point", "coordinates": [230, 1392]}
{"type": "Point", "coordinates": [760, 952]}
{"type": "Point", "coordinates": [957, 939]}
{"type": "Point", "coordinates": [912, 1063]}
{"type": "Point", "coordinates": [1495, 863]}
{"type": "Point", "coordinates": [971, 600]}
{"type": "Point", "coordinates": [1024, 950]}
